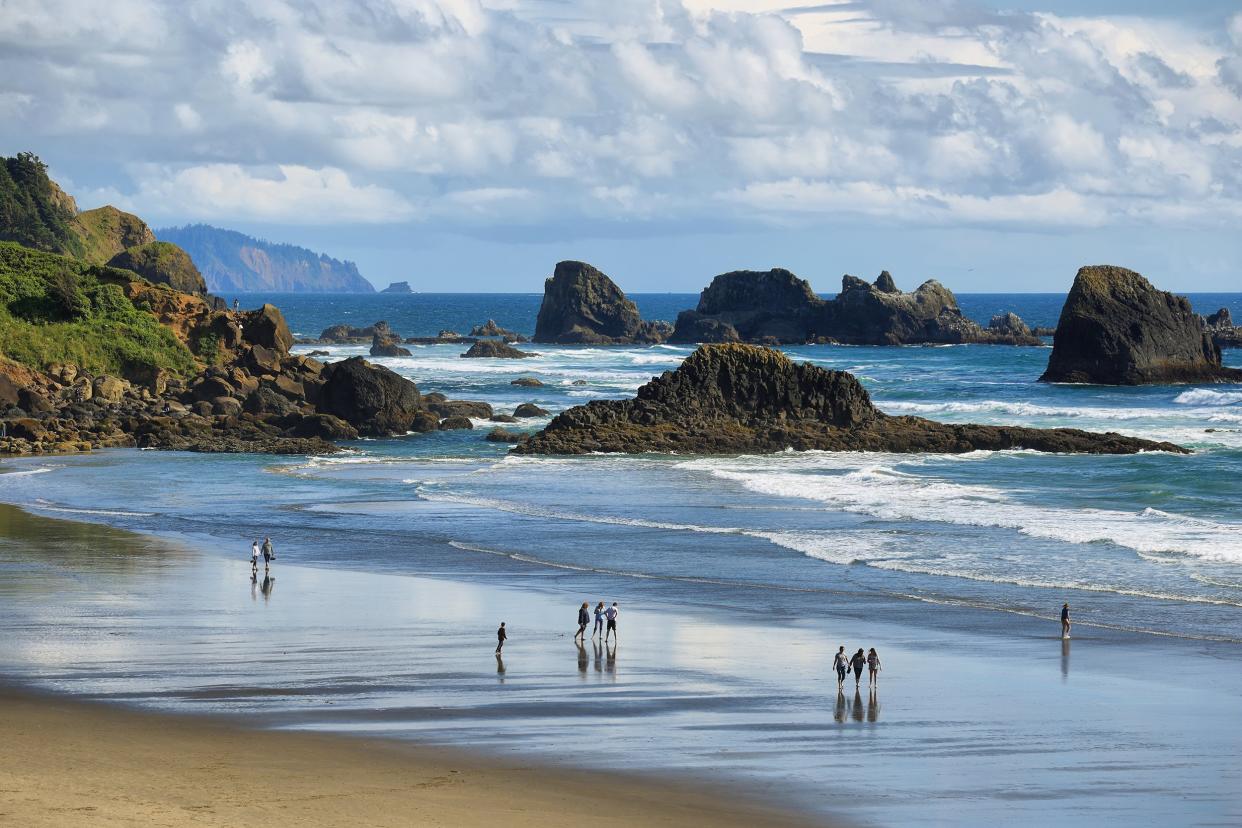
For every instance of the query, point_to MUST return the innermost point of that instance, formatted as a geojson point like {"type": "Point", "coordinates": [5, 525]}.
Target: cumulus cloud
{"type": "Point", "coordinates": [702, 111]}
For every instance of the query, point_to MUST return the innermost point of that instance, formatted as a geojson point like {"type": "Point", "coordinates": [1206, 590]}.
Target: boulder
{"type": "Point", "coordinates": [209, 388]}
{"type": "Point", "coordinates": [529, 410]}
{"type": "Point", "coordinates": [492, 349]}
{"type": "Point", "coordinates": [323, 426]}
{"type": "Point", "coordinates": [1116, 328]}
{"type": "Point", "coordinates": [162, 263]}
{"type": "Point", "coordinates": [503, 435]}
{"type": "Point", "coordinates": [109, 389]}
{"type": "Point", "coordinates": [264, 360]}
{"type": "Point", "coordinates": [1009, 324]}
{"type": "Point", "coordinates": [581, 305]}
{"type": "Point", "coordinates": [371, 398]}
{"type": "Point", "coordinates": [503, 418]}
{"type": "Point", "coordinates": [456, 408]}
{"type": "Point", "coordinates": [424, 421]}
{"type": "Point", "coordinates": [734, 399]}
{"type": "Point", "coordinates": [455, 423]}
{"type": "Point", "coordinates": [267, 327]}
{"type": "Point", "coordinates": [490, 328]}
{"type": "Point", "coordinates": [526, 382]}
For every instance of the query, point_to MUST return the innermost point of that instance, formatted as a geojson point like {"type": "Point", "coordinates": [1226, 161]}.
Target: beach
{"type": "Point", "coordinates": [997, 719]}
{"type": "Point", "coordinates": [66, 763]}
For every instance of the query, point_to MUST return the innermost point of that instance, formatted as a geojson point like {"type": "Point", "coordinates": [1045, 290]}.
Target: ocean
{"type": "Point", "coordinates": [985, 545]}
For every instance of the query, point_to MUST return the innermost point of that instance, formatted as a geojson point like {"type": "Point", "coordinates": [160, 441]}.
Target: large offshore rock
{"type": "Point", "coordinates": [777, 306]}
{"type": "Point", "coordinates": [727, 399]}
{"type": "Point", "coordinates": [1116, 328]}
{"type": "Point", "coordinates": [371, 398]}
{"type": "Point", "coordinates": [494, 349]}
{"type": "Point", "coordinates": [581, 305]}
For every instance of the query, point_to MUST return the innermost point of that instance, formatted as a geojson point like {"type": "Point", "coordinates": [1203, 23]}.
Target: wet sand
{"type": "Point", "coordinates": [967, 728]}
{"type": "Point", "coordinates": [67, 763]}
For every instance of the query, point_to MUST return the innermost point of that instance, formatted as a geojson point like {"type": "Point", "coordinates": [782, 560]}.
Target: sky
{"type": "Point", "coordinates": [469, 145]}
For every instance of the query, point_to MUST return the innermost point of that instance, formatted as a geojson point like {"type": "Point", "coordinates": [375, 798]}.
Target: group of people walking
{"type": "Point", "coordinates": [602, 616]}
{"type": "Point", "coordinates": [843, 664]}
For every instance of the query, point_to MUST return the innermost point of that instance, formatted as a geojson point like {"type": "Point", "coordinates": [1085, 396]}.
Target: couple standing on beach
{"type": "Point", "coordinates": [269, 555]}
{"type": "Point", "coordinates": [601, 614]}
{"type": "Point", "coordinates": [843, 664]}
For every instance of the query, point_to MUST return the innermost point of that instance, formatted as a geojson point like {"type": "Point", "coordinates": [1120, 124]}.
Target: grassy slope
{"type": "Point", "coordinates": [56, 309]}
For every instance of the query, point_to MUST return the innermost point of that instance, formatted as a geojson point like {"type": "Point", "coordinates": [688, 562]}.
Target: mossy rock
{"type": "Point", "coordinates": [107, 231]}
{"type": "Point", "coordinates": [162, 263]}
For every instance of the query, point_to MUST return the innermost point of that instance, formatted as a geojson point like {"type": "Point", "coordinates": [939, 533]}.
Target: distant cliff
{"type": "Point", "coordinates": [233, 262]}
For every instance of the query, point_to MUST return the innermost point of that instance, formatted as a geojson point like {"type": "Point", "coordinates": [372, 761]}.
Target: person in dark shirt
{"type": "Point", "coordinates": [584, 618]}
{"type": "Point", "coordinates": [1065, 621]}
{"type": "Point", "coordinates": [858, 662]}
{"type": "Point", "coordinates": [501, 637]}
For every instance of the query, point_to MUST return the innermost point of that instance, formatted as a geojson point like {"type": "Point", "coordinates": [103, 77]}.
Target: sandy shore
{"type": "Point", "coordinates": [67, 763]}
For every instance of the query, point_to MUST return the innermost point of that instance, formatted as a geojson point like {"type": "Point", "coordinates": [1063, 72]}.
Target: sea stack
{"type": "Point", "coordinates": [581, 305]}
{"type": "Point", "coordinates": [734, 398]}
{"type": "Point", "coordinates": [1116, 328]}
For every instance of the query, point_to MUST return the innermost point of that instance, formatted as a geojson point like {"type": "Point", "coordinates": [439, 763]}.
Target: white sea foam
{"type": "Point", "coordinates": [885, 491]}
{"type": "Point", "coordinates": [26, 472]}
{"type": "Point", "coordinates": [44, 506]}
{"type": "Point", "coordinates": [1204, 396]}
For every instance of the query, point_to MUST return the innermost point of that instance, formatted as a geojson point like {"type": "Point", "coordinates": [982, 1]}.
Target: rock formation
{"type": "Point", "coordinates": [494, 349]}
{"type": "Point", "coordinates": [107, 231]}
{"type": "Point", "coordinates": [385, 343]}
{"type": "Point", "coordinates": [490, 328]}
{"type": "Point", "coordinates": [1118, 329]}
{"type": "Point", "coordinates": [397, 287]}
{"type": "Point", "coordinates": [372, 398]}
{"type": "Point", "coordinates": [776, 306]}
{"type": "Point", "coordinates": [727, 399]}
{"type": "Point", "coordinates": [1224, 333]}
{"type": "Point", "coordinates": [581, 305]}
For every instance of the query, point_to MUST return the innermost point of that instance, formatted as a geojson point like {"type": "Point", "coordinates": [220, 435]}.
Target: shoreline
{"type": "Point", "coordinates": [68, 762]}
{"type": "Point", "coordinates": [407, 667]}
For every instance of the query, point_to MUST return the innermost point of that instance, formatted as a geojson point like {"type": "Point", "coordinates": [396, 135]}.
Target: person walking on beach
{"type": "Point", "coordinates": [1065, 621]}
{"type": "Point", "coordinates": [841, 663]}
{"type": "Point", "coordinates": [268, 554]}
{"type": "Point", "coordinates": [584, 618]}
{"type": "Point", "coordinates": [599, 620]}
{"type": "Point", "coordinates": [858, 662]}
{"type": "Point", "coordinates": [611, 614]}
{"type": "Point", "coordinates": [254, 558]}
{"type": "Point", "coordinates": [873, 667]}
{"type": "Point", "coordinates": [501, 638]}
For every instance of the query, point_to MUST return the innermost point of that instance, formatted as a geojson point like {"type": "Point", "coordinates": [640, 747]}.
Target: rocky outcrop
{"type": "Point", "coordinates": [1009, 324]}
{"type": "Point", "coordinates": [775, 306]}
{"type": "Point", "coordinates": [1116, 328]}
{"type": "Point", "coordinates": [494, 349]}
{"type": "Point", "coordinates": [727, 399]}
{"type": "Point", "coordinates": [581, 305]}
{"type": "Point", "coordinates": [526, 410]}
{"type": "Point", "coordinates": [163, 264]}
{"type": "Point", "coordinates": [490, 328]}
{"type": "Point", "coordinates": [527, 382]}
{"type": "Point", "coordinates": [1222, 330]}
{"type": "Point", "coordinates": [107, 231]}
{"type": "Point", "coordinates": [372, 398]}
{"type": "Point", "coordinates": [387, 344]}
{"type": "Point", "coordinates": [397, 287]}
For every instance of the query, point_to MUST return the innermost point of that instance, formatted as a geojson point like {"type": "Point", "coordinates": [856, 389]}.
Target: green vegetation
{"type": "Point", "coordinates": [55, 309]}
{"type": "Point", "coordinates": [162, 263]}
{"type": "Point", "coordinates": [106, 231]}
{"type": "Point", "coordinates": [34, 212]}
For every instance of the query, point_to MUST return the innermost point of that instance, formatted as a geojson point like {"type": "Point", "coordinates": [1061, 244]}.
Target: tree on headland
{"type": "Point", "coordinates": [34, 212]}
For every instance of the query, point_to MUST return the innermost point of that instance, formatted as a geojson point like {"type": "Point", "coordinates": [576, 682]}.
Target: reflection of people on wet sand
{"type": "Point", "coordinates": [501, 637]}
{"type": "Point", "coordinates": [1065, 621]}
{"type": "Point", "coordinates": [610, 663]}
{"type": "Point", "coordinates": [873, 706]}
{"type": "Point", "coordinates": [269, 583]}
{"type": "Point", "coordinates": [839, 713]}
{"type": "Point", "coordinates": [500, 663]}
{"type": "Point", "coordinates": [582, 657]}
{"type": "Point", "coordinates": [1065, 654]}
{"type": "Point", "coordinates": [599, 655]}
{"type": "Point", "coordinates": [857, 708]}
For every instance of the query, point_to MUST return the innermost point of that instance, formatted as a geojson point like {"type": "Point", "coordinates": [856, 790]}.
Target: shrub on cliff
{"type": "Point", "coordinates": [57, 310]}
{"type": "Point", "coordinates": [34, 212]}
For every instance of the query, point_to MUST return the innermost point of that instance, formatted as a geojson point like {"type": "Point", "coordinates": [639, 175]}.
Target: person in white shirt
{"type": "Point", "coordinates": [611, 614]}
{"type": "Point", "coordinates": [254, 558]}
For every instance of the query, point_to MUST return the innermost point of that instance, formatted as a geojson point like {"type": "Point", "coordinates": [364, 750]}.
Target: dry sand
{"type": "Point", "coordinates": [68, 763]}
